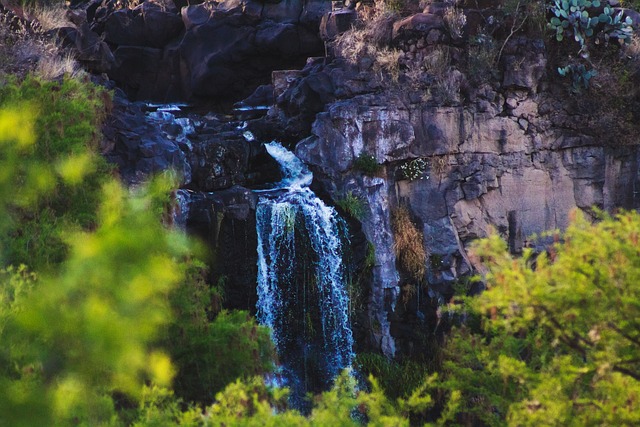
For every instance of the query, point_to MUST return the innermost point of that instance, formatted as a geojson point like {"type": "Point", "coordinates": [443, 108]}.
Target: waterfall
{"type": "Point", "coordinates": [301, 285]}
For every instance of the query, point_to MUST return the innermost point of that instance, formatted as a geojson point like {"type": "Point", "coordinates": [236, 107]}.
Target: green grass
{"type": "Point", "coordinates": [352, 205]}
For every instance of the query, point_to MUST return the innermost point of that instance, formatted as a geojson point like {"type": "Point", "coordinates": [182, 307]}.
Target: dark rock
{"type": "Point", "coordinates": [139, 148]}
{"type": "Point", "coordinates": [91, 51]}
{"type": "Point", "coordinates": [196, 14]}
{"type": "Point", "coordinates": [125, 27]}
{"type": "Point", "coordinates": [145, 73]}
{"type": "Point", "coordinates": [160, 26]}
{"type": "Point", "coordinates": [336, 22]}
{"type": "Point", "coordinates": [524, 63]}
{"type": "Point", "coordinates": [147, 25]}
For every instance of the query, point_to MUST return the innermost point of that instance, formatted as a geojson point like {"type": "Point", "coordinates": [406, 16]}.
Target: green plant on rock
{"type": "Point", "coordinates": [367, 164]}
{"type": "Point", "coordinates": [573, 18]}
{"type": "Point", "coordinates": [353, 205]}
{"type": "Point", "coordinates": [580, 76]}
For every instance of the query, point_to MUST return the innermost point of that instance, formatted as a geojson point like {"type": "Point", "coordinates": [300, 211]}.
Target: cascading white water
{"type": "Point", "coordinates": [301, 287]}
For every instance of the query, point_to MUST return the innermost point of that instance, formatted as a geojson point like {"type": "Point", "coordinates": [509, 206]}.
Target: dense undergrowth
{"type": "Point", "coordinates": [106, 317]}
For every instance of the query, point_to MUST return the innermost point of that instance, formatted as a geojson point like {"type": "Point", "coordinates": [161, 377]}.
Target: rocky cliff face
{"type": "Point", "coordinates": [485, 171]}
{"type": "Point", "coordinates": [511, 150]}
{"type": "Point", "coordinates": [515, 156]}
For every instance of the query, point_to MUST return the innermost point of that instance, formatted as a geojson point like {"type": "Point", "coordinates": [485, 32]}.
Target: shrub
{"type": "Point", "coordinates": [211, 354]}
{"type": "Point", "coordinates": [397, 379]}
{"type": "Point", "coordinates": [409, 244]}
{"type": "Point", "coordinates": [554, 342]}
{"type": "Point", "coordinates": [367, 164]}
{"type": "Point", "coordinates": [482, 57]}
{"type": "Point", "coordinates": [62, 169]}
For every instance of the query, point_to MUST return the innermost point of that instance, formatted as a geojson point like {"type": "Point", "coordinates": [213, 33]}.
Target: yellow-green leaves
{"type": "Point", "coordinates": [16, 126]}
{"type": "Point", "coordinates": [560, 333]}
{"type": "Point", "coordinates": [92, 325]}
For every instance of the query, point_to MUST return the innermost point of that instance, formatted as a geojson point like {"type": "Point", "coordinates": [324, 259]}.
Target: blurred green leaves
{"type": "Point", "coordinates": [52, 171]}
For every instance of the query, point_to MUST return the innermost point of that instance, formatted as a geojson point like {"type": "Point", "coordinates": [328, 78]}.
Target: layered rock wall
{"type": "Point", "coordinates": [507, 164]}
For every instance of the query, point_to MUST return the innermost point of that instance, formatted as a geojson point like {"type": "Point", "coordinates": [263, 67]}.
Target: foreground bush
{"type": "Point", "coordinates": [54, 182]}
{"type": "Point", "coordinates": [556, 338]}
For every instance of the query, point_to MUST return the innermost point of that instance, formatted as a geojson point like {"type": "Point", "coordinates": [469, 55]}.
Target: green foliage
{"type": "Point", "coordinates": [397, 379]}
{"type": "Point", "coordinates": [209, 353]}
{"type": "Point", "coordinates": [54, 179]}
{"type": "Point", "coordinates": [352, 205]}
{"type": "Point", "coordinates": [367, 164]}
{"type": "Point", "coordinates": [89, 328]}
{"type": "Point", "coordinates": [159, 408]}
{"type": "Point", "coordinates": [558, 344]}
{"type": "Point", "coordinates": [579, 74]}
{"type": "Point", "coordinates": [252, 403]}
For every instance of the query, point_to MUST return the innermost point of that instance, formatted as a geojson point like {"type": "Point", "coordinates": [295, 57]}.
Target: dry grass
{"type": "Point", "coordinates": [50, 16]}
{"type": "Point", "coordinates": [370, 38]}
{"type": "Point", "coordinates": [437, 62]}
{"type": "Point", "coordinates": [27, 54]}
{"type": "Point", "coordinates": [30, 51]}
{"type": "Point", "coordinates": [632, 52]}
{"type": "Point", "coordinates": [52, 67]}
{"type": "Point", "coordinates": [455, 20]}
{"type": "Point", "coordinates": [446, 88]}
{"type": "Point", "coordinates": [386, 61]}
{"type": "Point", "coordinates": [409, 244]}
{"type": "Point", "coordinates": [439, 165]}
{"type": "Point", "coordinates": [408, 292]}
{"type": "Point", "coordinates": [433, 66]}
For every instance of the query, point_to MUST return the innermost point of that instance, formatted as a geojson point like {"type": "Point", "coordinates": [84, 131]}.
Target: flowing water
{"type": "Point", "coordinates": [301, 287]}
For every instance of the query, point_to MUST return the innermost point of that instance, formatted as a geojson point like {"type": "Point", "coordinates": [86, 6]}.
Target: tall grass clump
{"type": "Point", "coordinates": [409, 244]}
{"type": "Point", "coordinates": [352, 205]}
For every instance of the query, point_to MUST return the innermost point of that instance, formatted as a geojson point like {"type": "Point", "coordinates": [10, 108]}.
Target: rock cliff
{"type": "Point", "coordinates": [504, 145]}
